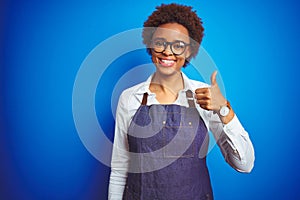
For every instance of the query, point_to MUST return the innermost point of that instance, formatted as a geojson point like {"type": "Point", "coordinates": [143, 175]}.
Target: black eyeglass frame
{"type": "Point", "coordinates": [166, 44]}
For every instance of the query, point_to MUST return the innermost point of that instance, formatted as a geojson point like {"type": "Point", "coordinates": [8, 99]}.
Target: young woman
{"type": "Point", "coordinates": [161, 132]}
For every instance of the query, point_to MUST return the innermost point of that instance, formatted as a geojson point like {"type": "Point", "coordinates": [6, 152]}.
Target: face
{"type": "Point", "coordinates": [171, 37]}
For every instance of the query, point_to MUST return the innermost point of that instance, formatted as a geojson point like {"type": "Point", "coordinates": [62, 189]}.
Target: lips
{"type": "Point", "coordinates": [166, 62]}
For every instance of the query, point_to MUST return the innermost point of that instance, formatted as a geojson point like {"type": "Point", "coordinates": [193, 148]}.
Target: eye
{"type": "Point", "coordinates": [178, 45]}
{"type": "Point", "coordinates": [159, 43]}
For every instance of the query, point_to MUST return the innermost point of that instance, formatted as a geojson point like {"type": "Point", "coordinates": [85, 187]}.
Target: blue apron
{"type": "Point", "coordinates": [168, 144]}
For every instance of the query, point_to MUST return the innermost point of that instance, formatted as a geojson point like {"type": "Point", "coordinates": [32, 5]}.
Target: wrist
{"type": "Point", "coordinates": [226, 113]}
{"type": "Point", "coordinates": [224, 109]}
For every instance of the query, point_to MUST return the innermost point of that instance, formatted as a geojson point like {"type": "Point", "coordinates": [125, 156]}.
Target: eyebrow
{"type": "Point", "coordinates": [169, 41]}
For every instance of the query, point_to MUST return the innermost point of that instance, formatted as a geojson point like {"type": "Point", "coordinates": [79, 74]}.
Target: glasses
{"type": "Point", "coordinates": [177, 47]}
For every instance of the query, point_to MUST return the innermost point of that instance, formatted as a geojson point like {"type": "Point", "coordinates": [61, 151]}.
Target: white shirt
{"type": "Point", "coordinates": [233, 140]}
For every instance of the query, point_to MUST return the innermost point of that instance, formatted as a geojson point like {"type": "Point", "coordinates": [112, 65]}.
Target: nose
{"type": "Point", "coordinates": [168, 50]}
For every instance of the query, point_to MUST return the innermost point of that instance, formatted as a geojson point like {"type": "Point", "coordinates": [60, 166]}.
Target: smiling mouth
{"type": "Point", "coordinates": [166, 62]}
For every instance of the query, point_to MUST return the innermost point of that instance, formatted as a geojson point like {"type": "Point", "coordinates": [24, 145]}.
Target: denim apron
{"type": "Point", "coordinates": [168, 146]}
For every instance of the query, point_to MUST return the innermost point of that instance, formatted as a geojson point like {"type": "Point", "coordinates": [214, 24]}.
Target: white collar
{"type": "Point", "coordinates": [144, 87]}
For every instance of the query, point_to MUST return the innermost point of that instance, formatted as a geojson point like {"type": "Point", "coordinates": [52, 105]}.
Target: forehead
{"type": "Point", "coordinates": [171, 32]}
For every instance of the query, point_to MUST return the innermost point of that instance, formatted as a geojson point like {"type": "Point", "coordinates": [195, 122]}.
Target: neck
{"type": "Point", "coordinates": [171, 84]}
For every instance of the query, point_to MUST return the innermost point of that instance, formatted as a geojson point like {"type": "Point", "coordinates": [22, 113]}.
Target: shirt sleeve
{"type": "Point", "coordinates": [234, 143]}
{"type": "Point", "coordinates": [120, 156]}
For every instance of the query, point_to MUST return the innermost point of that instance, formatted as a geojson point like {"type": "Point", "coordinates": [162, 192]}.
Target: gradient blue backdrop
{"type": "Point", "coordinates": [255, 45]}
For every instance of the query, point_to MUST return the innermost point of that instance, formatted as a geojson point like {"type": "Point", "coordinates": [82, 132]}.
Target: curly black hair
{"type": "Point", "coordinates": [175, 13]}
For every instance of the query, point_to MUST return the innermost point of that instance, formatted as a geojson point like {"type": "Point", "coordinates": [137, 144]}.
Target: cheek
{"type": "Point", "coordinates": [154, 58]}
{"type": "Point", "coordinates": [181, 59]}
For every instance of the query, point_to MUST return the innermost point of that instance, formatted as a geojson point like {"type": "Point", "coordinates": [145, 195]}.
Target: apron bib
{"type": "Point", "coordinates": [168, 144]}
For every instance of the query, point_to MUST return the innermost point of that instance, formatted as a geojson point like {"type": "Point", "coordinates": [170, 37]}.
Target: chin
{"type": "Point", "coordinates": [166, 71]}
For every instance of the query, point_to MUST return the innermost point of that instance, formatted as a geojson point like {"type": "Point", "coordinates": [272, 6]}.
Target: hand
{"type": "Point", "coordinates": [210, 98]}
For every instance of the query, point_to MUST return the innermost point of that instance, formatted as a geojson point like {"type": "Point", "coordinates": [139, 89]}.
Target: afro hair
{"type": "Point", "coordinates": [175, 13]}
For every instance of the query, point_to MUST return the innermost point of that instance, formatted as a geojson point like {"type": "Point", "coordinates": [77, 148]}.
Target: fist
{"type": "Point", "coordinates": [210, 98]}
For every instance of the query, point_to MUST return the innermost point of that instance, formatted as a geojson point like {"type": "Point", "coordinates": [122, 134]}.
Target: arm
{"type": "Point", "coordinates": [230, 135]}
{"type": "Point", "coordinates": [234, 143]}
{"type": "Point", "coordinates": [120, 157]}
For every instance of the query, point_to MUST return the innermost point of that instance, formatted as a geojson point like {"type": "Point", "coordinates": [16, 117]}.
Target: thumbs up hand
{"type": "Point", "coordinates": [210, 98]}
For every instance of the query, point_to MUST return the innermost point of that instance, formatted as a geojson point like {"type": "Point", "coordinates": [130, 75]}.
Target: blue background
{"type": "Point", "coordinates": [255, 45]}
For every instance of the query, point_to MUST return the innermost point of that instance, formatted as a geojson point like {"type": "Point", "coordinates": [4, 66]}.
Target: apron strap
{"type": "Point", "coordinates": [145, 97]}
{"type": "Point", "coordinates": [190, 98]}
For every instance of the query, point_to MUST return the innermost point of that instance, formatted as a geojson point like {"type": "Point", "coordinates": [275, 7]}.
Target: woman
{"type": "Point", "coordinates": [161, 133]}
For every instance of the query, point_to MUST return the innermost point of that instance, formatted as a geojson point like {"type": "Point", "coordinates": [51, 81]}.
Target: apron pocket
{"type": "Point", "coordinates": [179, 141]}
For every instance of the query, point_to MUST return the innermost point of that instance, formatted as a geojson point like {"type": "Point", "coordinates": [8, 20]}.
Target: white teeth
{"type": "Point", "coordinates": [167, 61]}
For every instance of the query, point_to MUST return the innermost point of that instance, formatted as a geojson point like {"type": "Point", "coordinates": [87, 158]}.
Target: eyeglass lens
{"type": "Point", "coordinates": [160, 45]}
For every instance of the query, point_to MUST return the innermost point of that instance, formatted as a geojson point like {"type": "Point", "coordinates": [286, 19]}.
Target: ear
{"type": "Point", "coordinates": [188, 53]}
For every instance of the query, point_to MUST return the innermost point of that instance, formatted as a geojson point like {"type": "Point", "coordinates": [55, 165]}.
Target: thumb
{"type": "Point", "coordinates": [213, 78]}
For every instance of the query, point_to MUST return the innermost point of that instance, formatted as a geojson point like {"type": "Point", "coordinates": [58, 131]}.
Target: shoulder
{"type": "Point", "coordinates": [132, 96]}
{"type": "Point", "coordinates": [136, 89]}
{"type": "Point", "coordinates": [194, 84]}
